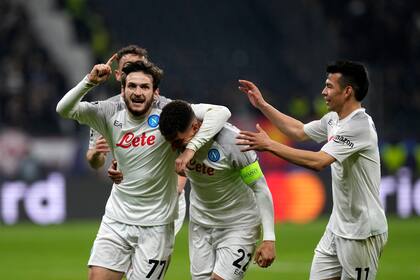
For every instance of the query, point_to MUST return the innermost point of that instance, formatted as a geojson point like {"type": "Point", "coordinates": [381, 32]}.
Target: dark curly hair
{"type": "Point", "coordinates": [175, 117]}
{"type": "Point", "coordinates": [146, 67]}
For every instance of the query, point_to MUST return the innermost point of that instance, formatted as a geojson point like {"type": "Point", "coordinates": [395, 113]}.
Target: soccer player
{"type": "Point", "coordinates": [137, 230]}
{"type": "Point", "coordinates": [357, 230]}
{"type": "Point", "coordinates": [229, 199]}
{"type": "Point", "coordinates": [98, 147]}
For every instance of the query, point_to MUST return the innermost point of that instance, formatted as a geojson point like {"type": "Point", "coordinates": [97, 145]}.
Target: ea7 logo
{"type": "Point", "coordinates": [342, 140]}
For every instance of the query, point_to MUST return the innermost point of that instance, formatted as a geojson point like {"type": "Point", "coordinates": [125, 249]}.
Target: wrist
{"type": "Point", "coordinates": [262, 105]}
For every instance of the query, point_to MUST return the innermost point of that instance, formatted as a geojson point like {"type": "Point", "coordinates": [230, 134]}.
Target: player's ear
{"type": "Point", "coordinates": [117, 75]}
{"type": "Point", "coordinates": [348, 91]}
{"type": "Point", "coordinates": [195, 125]}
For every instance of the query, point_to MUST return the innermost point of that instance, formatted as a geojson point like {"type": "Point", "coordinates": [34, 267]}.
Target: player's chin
{"type": "Point", "coordinates": [137, 110]}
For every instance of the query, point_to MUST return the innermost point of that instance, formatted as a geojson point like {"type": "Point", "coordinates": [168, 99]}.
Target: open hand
{"type": "Point", "coordinates": [254, 94]}
{"type": "Point", "coordinates": [259, 141]}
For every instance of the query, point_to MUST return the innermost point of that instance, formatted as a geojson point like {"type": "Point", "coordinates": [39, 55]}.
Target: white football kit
{"type": "Point", "coordinates": [94, 135]}
{"type": "Point", "coordinates": [146, 200]}
{"type": "Point", "coordinates": [226, 212]}
{"type": "Point", "coordinates": [357, 216]}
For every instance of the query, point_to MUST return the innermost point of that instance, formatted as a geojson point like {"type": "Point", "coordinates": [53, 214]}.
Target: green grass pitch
{"type": "Point", "coordinates": [61, 252]}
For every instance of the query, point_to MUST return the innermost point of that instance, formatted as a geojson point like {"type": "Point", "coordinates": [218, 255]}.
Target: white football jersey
{"type": "Point", "coordinates": [357, 211]}
{"type": "Point", "coordinates": [94, 135]}
{"type": "Point", "coordinates": [219, 197]}
{"type": "Point", "coordinates": [147, 195]}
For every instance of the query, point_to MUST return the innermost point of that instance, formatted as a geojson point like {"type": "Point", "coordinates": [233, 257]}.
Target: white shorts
{"type": "Point", "coordinates": [182, 207]}
{"type": "Point", "coordinates": [347, 258]}
{"type": "Point", "coordinates": [226, 252]}
{"type": "Point", "coordinates": [139, 251]}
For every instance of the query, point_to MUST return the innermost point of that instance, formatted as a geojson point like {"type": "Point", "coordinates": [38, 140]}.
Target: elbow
{"type": "Point", "coordinates": [318, 166]}
{"type": "Point", "coordinates": [63, 111]}
{"type": "Point", "coordinates": [299, 134]}
{"type": "Point", "coordinates": [60, 110]}
{"type": "Point", "coordinates": [226, 112]}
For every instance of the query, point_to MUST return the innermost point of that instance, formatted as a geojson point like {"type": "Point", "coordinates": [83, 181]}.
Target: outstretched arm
{"type": "Point", "coordinates": [291, 127]}
{"type": "Point", "coordinates": [67, 106]}
{"type": "Point", "coordinates": [260, 141]}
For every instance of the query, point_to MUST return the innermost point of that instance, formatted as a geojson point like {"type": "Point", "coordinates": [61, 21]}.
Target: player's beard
{"type": "Point", "coordinates": [138, 113]}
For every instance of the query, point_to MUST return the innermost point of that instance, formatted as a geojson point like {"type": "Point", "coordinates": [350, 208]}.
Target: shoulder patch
{"type": "Point", "coordinates": [213, 155]}
{"type": "Point", "coordinates": [153, 120]}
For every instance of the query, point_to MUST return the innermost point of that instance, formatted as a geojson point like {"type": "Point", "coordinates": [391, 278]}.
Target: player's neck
{"type": "Point", "coordinates": [348, 108]}
{"type": "Point", "coordinates": [138, 117]}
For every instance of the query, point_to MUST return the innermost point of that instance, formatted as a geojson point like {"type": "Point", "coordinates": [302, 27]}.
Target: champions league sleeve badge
{"type": "Point", "coordinates": [153, 121]}
{"type": "Point", "coordinates": [213, 155]}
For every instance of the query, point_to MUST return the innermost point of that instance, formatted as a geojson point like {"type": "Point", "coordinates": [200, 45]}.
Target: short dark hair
{"type": "Point", "coordinates": [354, 74]}
{"type": "Point", "coordinates": [146, 67]}
{"type": "Point", "coordinates": [175, 117]}
{"type": "Point", "coordinates": [132, 49]}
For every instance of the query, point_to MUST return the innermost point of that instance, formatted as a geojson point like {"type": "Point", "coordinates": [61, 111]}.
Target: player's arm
{"type": "Point", "coordinates": [114, 174]}
{"type": "Point", "coordinates": [182, 181]}
{"type": "Point", "coordinates": [67, 107]}
{"type": "Point", "coordinates": [253, 177]}
{"type": "Point", "coordinates": [260, 141]}
{"type": "Point", "coordinates": [213, 119]}
{"type": "Point", "coordinates": [96, 155]}
{"type": "Point", "coordinates": [291, 127]}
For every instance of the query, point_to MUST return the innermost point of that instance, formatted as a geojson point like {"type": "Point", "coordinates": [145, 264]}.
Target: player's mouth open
{"type": "Point", "coordinates": [139, 100]}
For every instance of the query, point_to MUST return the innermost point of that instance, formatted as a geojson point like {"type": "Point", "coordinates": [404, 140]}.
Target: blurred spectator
{"type": "Point", "coordinates": [31, 81]}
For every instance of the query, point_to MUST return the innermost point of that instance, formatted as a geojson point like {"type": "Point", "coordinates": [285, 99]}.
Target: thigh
{"type": "Point", "coordinates": [360, 258]}
{"type": "Point", "coordinates": [232, 262]}
{"type": "Point", "coordinates": [234, 250]}
{"type": "Point", "coordinates": [201, 251]}
{"type": "Point", "coordinates": [152, 253]}
{"type": "Point", "coordinates": [325, 264]}
{"type": "Point", "coordinates": [110, 249]}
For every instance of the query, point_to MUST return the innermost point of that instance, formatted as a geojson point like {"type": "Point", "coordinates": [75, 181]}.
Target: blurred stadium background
{"type": "Point", "coordinates": [51, 202]}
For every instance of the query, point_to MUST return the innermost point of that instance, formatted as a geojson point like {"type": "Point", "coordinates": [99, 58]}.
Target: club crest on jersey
{"type": "Point", "coordinates": [213, 155]}
{"type": "Point", "coordinates": [153, 121]}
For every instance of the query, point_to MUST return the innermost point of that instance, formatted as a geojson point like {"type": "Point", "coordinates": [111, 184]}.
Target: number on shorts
{"type": "Point", "coordinates": [237, 262]}
{"type": "Point", "coordinates": [359, 273]}
{"type": "Point", "coordinates": [155, 265]}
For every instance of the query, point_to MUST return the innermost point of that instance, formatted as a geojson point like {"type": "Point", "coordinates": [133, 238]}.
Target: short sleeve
{"type": "Point", "coordinates": [238, 158]}
{"type": "Point", "coordinates": [317, 130]}
{"type": "Point", "coordinates": [347, 141]}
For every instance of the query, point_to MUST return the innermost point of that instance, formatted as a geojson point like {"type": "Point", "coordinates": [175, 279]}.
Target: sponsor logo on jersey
{"type": "Point", "coordinates": [213, 155]}
{"type": "Point", "coordinates": [342, 140]}
{"type": "Point", "coordinates": [193, 165]}
{"type": "Point", "coordinates": [153, 121]}
{"type": "Point", "coordinates": [117, 124]}
{"type": "Point", "coordinates": [129, 140]}
{"type": "Point", "coordinates": [330, 122]}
